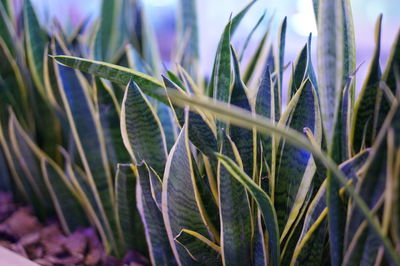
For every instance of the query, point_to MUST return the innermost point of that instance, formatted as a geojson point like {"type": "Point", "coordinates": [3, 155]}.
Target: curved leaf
{"type": "Point", "coordinates": [156, 236]}
{"type": "Point", "coordinates": [200, 248]}
{"type": "Point", "coordinates": [141, 129]}
{"type": "Point", "coordinates": [127, 214]}
{"type": "Point", "coordinates": [180, 199]}
{"type": "Point", "coordinates": [235, 214]}
{"type": "Point", "coordinates": [263, 202]}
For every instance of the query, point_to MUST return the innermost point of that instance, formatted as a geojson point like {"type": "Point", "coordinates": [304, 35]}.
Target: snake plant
{"type": "Point", "coordinates": [194, 170]}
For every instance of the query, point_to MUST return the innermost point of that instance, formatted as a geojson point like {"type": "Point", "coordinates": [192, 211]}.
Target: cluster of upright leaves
{"type": "Point", "coordinates": [217, 173]}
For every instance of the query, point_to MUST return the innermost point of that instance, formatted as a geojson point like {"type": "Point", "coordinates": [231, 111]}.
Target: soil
{"type": "Point", "coordinates": [46, 244]}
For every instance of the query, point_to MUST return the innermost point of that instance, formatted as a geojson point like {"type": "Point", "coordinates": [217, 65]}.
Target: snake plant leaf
{"type": "Point", "coordinates": [114, 73]}
{"type": "Point", "coordinates": [7, 31]}
{"type": "Point", "coordinates": [68, 208]}
{"type": "Point", "coordinates": [28, 165]}
{"type": "Point", "coordinates": [89, 139]}
{"type": "Point", "coordinates": [296, 167]}
{"type": "Point", "coordinates": [14, 90]}
{"type": "Point", "coordinates": [108, 38]}
{"type": "Point", "coordinates": [200, 133]}
{"type": "Point", "coordinates": [141, 129]}
{"type": "Point", "coordinates": [188, 30]}
{"type": "Point", "coordinates": [241, 136]}
{"type": "Point", "coordinates": [265, 106]}
{"type": "Point", "coordinates": [259, 245]}
{"type": "Point", "coordinates": [35, 45]}
{"type": "Point", "coordinates": [336, 56]}
{"type": "Point", "coordinates": [109, 111]}
{"type": "Point", "coordinates": [279, 64]}
{"type": "Point", "coordinates": [127, 214]}
{"type": "Point", "coordinates": [315, 224]}
{"type": "Point", "coordinates": [6, 183]}
{"type": "Point", "coordinates": [249, 37]}
{"type": "Point", "coordinates": [263, 202]}
{"type": "Point", "coordinates": [364, 116]}
{"type": "Point", "coordinates": [254, 60]}
{"type": "Point", "coordinates": [302, 70]}
{"type": "Point", "coordinates": [371, 187]}
{"type": "Point", "coordinates": [165, 114]}
{"type": "Point", "coordinates": [218, 88]}
{"type": "Point", "coordinates": [156, 187]}
{"type": "Point", "coordinates": [244, 118]}
{"type": "Point", "coordinates": [179, 187]}
{"type": "Point", "coordinates": [23, 187]}
{"type": "Point", "coordinates": [200, 248]}
{"type": "Point", "coordinates": [235, 213]}
{"type": "Point", "coordinates": [156, 236]}
{"type": "Point", "coordinates": [389, 77]}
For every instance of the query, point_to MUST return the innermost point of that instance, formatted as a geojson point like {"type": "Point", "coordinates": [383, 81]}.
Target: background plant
{"type": "Point", "coordinates": [220, 173]}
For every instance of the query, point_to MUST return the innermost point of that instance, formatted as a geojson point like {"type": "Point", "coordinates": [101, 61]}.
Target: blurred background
{"type": "Point", "coordinates": [213, 15]}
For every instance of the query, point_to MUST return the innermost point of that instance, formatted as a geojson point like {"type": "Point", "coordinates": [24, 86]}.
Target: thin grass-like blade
{"type": "Point", "coordinates": [141, 129]}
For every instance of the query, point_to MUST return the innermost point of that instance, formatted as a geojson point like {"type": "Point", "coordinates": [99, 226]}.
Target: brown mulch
{"type": "Point", "coordinates": [46, 244]}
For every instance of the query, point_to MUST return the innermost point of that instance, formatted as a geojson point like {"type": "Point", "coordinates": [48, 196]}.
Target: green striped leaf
{"type": "Point", "coordinates": [200, 133]}
{"type": "Point", "coordinates": [29, 168]}
{"type": "Point", "coordinates": [265, 106]}
{"type": "Point", "coordinates": [108, 38]}
{"type": "Point", "coordinates": [302, 70]}
{"type": "Point", "coordinates": [188, 30]}
{"type": "Point", "coordinates": [35, 46]}
{"type": "Point", "coordinates": [7, 31]}
{"type": "Point", "coordinates": [259, 243]}
{"type": "Point", "coordinates": [156, 236]}
{"type": "Point", "coordinates": [109, 111]}
{"type": "Point", "coordinates": [296, 167]}
{"type": "Point", "coordinates": [314, 231]}
{"type": "Point", "coordinates": [89, 140]}
{"type": "Point", "coordinates": [114, 73]}
{"type": "Point", "coordinates": [249, 120]}
{"type": "Point", "coordinates": [256, 57]}
{"type": "Point", "coordinates": [372, 188]}
{"type": "Point", "coordinates": [180, 197]}
{"type": "Point", "coordinates": [263, 202]}
{"type": "Point", "coordinates": [235, 213]}
{"type": "Point", "coordinates": [389, 77]}
{"type": "Point", "coordinates": [127, 214]}
{"type": "Point", "coordinates": [141, 129]}
{"type": "Point", "coordinates": [364, 110]}
{"type": "Point", "coordinates": [336, 56]}
{"type": "Point", "coordinates": [6, 183]}
{"type": "Point", "coordinates": [64, 197]}
{"type": "Point", "coordinates": [199, 248]}
{"type": "Point", "coordinates": [218, 88]}
{"type": "Point", "coordinates": [279, 68]}
{"type": "Point", "coordinates": [240, 136]}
